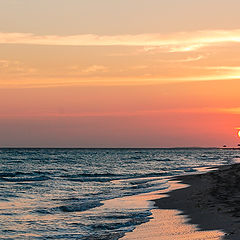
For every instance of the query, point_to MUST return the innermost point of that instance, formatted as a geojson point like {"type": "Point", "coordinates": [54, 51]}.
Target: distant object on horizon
{"type": "Point", "coordinates": [224, 146]}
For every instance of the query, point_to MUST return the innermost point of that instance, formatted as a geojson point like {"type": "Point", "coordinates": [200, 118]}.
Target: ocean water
{"type": "Point", "coordinates": [61, 193]}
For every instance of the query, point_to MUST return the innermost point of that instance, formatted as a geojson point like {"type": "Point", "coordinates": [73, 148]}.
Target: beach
{"type": "Point", "coordinates": [200, 206]}
{"type": "Point", "coordinates": [80, 194]}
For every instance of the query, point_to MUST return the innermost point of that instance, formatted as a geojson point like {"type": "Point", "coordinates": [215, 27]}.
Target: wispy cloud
{"type": "Point", "coordinates": [93, 69]}
{"type": "Point", "coordinates": [15, 68]}
{"type": "Point", "coordinates": [140, 81]}
{"type": "Point", "coordinates": [225, 68]}
{"type": "Point", "coordinates": [223, 72]}
{"type": "Point", "coordinates": [175, 42]}
{"type": "Point", "coordinates": [129, 113]}
{"type": "Point", "coordinates": [182, 60]}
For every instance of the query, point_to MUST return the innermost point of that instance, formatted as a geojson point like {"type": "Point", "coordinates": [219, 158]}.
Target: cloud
{"type": "Point", "coordinates": [4, 64]}
{"type": "Point", "coordinates": [105, 81]}
{"type": "Point", "coordinates": [223, 72]}
{"type": "Point", "coordinates": [139, 67]}
{"type": "Point", "coordinates": [93, 69]}
{"type": "Point", "coordinates": [199, 110]}
{"type": "Point", "coordinates": [183, 60]}
{"type": "Point", "coordinates": [175, 42]}
{"type": "Point", "coordinates": [15, 67]}
{"type": "Point", "coordinates": [225, 68]}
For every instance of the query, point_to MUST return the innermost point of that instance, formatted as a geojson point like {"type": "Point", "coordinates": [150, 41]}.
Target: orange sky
{"type": "Point", "coordinates": [98, 85]}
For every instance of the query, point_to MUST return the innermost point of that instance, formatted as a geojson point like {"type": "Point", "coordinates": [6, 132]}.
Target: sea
{"type": "Point", "coordinates": [62, 193]}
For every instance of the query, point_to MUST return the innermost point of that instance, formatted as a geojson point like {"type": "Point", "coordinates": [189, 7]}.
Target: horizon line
{"type": "Point", "coordinates": [112, 148]}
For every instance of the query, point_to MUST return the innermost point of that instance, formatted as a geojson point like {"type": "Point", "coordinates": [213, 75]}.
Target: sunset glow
{"type": "Point", "coordinates": [100, 81]}
{"type": "Point", "coordinates": [106, 105]}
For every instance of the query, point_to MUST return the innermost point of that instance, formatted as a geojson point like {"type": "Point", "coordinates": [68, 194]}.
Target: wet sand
{"type": "Point", "coordinates": [169, 224]}
{"type": "Point", "coordinates": [204, 206]}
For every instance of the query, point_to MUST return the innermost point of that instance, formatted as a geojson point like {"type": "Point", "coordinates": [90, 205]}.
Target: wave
{"type": "Point", "coordinates": [132, 220]}
{"type": "Point", "coordinates": [17, 174]}
{"type": "Point", "coordinates": [83, 177]}
{"type": "Point", "coordinates": [162, 159]}
{"type": "Point", "coordinates": [92, 175]}
{"type": "Point", "coordinates": [73, 207]}
{"type": "Point", "coordinates": [80, 207]}
{"type": "Point", "coordinates": [33, 179]}
{"type": "Point", "coordinates": [153, 174]}
{"type": "Point", "coordinates": [135, 157]}
{"type": "Point", "coordinates": [90, 179]}
{"type": "Point", "coordinates": [112, 177]}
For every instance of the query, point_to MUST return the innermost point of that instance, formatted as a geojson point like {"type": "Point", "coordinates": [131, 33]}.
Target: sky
{"type": "Point", "coordinates": [122, 73]}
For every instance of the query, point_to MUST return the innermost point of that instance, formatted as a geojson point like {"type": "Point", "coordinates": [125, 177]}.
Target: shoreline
{"type": "Point", "coordinates": [211, 201]}
{"type": "Point", "coordinates": [200, 206]}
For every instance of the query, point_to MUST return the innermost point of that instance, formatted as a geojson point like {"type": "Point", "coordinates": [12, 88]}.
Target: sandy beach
{"type": "Point", "coordinates": [203, 206]}
{"type": "Point", "coordinates": [211, 201]}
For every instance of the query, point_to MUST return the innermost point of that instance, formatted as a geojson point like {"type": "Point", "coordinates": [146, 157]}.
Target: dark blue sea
{"type": "Point", "coordinates": [61, 193]}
